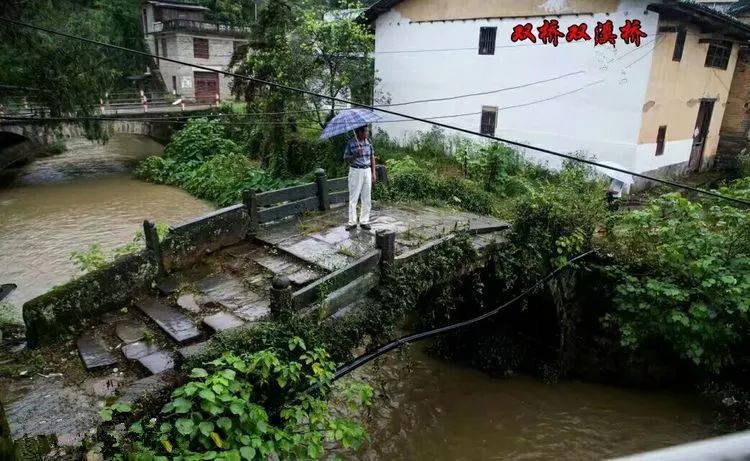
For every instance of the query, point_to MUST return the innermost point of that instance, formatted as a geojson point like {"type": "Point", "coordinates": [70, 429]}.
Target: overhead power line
{"type": "Point", "coordinates": [282, 86]}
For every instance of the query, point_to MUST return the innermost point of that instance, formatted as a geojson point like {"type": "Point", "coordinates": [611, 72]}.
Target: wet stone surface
{"type": "Point", "coordinates": [172, 321]}
{"type": "Point", "coordinates": [189, 351]}
{"type": "Point", "coordinates": [52, 408]}
{"type": "Point", "coordinates": [130, 331]}
{"type": "Point", "coordinates": [147, 386]}
{"type": "Point", "coordinates": [222, 321]}
{"type": "Point", "coordinates": [157, 362]}
{"type": "Point", "coordinates": [255, 311]}
{"type": "Point", "coordinates": [139, 349]}
{"type": "Point", "coordinates": [188, 303]}
{"type": "Point", "coordinates": [317, 252]}
{"type": "Point", "coordinates": [228, 291]}
{"type": "Point", "coordinates": [104, 387]}
{"type": "Point", "coordinates": [93, 352]}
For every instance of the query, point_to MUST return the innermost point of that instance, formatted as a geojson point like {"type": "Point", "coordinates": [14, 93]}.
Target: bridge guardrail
{"type": "Point", "coordinates": [272, 206]}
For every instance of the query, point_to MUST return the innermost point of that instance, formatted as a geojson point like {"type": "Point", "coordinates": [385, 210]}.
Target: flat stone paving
{"type": "Point", "coordinates": [173, 322]}
{"type": "Point", "coordinates": [323, 241]}
{"type": "Point", "coordinates": [222, 321]}
{"type": "Point", "coordinates": [93, 352]}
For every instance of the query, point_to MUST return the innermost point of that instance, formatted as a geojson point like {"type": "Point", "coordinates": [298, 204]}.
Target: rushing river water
{"type": "Point", "coordinates": [86, 195]}
{"type": "Point", "coordinates": [426, 409]}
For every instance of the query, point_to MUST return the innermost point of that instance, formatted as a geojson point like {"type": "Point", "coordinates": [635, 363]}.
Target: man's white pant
{"type": "Point", "coordinates": [360, 185]}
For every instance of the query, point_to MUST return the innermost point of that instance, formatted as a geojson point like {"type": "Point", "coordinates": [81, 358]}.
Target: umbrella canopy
{"type": "Point", "coordinates": [349, 120]}
{"type": "Point", "coordinates": [623, 177]}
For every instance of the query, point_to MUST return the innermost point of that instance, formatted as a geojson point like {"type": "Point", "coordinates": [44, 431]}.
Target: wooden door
{"type": "Point", "coordinates": [206, 87]}
{"type": "Point", "coordinates": [702, 125]}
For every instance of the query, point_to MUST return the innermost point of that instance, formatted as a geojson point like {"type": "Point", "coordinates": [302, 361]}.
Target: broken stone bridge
{"type": "Point", "coordinates": [286, 249]}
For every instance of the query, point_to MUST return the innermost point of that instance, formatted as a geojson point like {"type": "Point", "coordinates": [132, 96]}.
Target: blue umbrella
{"type": "Point", "coordinates": [349, 120]}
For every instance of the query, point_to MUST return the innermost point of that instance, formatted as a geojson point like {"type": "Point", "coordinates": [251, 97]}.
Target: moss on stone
{"type": "Point", "coordinates": [67, 309]}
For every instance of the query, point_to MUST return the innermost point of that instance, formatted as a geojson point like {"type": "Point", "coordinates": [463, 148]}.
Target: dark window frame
{"type": "Point", "coordinates": [197, 50]}
{"type": "Point", "coordinates": [487, 39]}
{"type": "Point", "coordinates": [164, 48]}
{"type": "Point", "coordinates": [718, 54]}
{"type": "Point", "coordinates": [661, 137]}
{"type": "Point", "coordinates": [488, 121]}
{"type": "Point", "coordinates": [679, 44]}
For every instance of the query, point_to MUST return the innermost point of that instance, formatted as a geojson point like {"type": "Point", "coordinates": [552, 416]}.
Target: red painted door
{"type": "Point", "coordinates": [206, 86]}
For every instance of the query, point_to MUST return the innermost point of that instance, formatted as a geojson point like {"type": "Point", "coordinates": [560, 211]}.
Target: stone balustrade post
{"type": "Point", "coordinates": [324, 200]}
{"type": "Point", "coordinates": [281, 295]}
{"type": "Point", "coordinates": [153, 245]}
{"type": "Point", "coordinates": [385, 241]}
{"type": "Point", "coordinates": [250, 199]}
{"type": "Point", "coordinates": [381, 172]}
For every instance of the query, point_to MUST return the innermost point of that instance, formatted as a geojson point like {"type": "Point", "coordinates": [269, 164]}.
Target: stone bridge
{"type": "Point", "coordinates": [234, 268]}
{"type": "Point", "coordinates": [22, 140]}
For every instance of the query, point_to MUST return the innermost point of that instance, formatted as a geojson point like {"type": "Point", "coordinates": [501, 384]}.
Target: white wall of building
{"type": "Point", "coordinates": [601, 114]}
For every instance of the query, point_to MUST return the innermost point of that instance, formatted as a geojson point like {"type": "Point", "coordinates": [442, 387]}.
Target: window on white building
{"type": "Point", "coordinates": [718, 54]}
{"type": "Point", "coordinates": [200, 48]}
{"type": "Point", "coordinates": [489, 120]}
{"type": "Point", "coordinates": [487, 36]}
{"type": "Point", "coordinates": [660, 137]}
{"type": "Point", "coordinates": [679, 44]}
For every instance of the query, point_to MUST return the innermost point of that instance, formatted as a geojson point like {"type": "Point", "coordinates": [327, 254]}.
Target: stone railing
{"type": "Point", "coordinates": [200, 26]}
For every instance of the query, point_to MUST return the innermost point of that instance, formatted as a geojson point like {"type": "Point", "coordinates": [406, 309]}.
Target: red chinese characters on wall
{"type": "Point", "coordinates": [604, 33]}
{"type": "Point", "coordinates": [549, 32]}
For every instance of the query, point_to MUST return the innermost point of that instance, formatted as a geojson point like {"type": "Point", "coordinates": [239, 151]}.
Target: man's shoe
{"type": "Point", "coordinates": [349, 227]}
{"type": "Point", "coordinates": [365, 226]}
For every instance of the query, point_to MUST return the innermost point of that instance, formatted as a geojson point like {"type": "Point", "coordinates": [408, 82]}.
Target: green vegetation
{"type": "Point", "coordinates": [269, 403]}
{"type": "Point", "coordinates": [95, 258]}
{"type": "Point", "coordinates": [67, 76]}
{"type": "Point", "coordinates": [203, 161]}
{"type": "Point", "coordinates": [684, 278]}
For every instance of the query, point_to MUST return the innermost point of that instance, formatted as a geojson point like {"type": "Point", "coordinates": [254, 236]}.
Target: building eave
{"type": "Point", "coordinates": [378, 8]}
{"type": "Point", "coordinates": [177, 6]}
{"type": "Point", "coordinates": [709, 19]}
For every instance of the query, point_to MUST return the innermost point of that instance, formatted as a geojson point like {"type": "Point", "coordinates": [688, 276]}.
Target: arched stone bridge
{"type": "Point", "coordinates": [22, 140]}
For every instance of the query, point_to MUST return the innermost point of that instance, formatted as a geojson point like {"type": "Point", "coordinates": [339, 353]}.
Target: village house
{"type": "Point", "coordinates": [640, 83]}
{"type": "Point", "coordinates": [178, 29]}
{"type": "Point", "coordinates": [735, 128]}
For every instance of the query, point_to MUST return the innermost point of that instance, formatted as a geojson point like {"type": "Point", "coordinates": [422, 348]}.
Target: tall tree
{"type": "Point", "coordinates": [65, 76]}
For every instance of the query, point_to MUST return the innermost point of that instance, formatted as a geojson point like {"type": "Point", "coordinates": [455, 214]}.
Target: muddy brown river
{"type": "Point", "coordinates": [426, 409]}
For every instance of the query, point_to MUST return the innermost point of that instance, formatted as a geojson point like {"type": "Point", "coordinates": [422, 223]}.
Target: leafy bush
{"type": "Point", "coordinates": [223, 178]}
{"type": "Point", "coordinates": [557, 219]}
{"type": "Point", "coordinates": [684, 279]}
{"type": "Point", "coordinates": [201, 160]}
{"type": "Point", "coordinates": [199, 140]}
{"type": "Point", "coordinates": [253, 406]}
{"type": "Point", "coordinates": [407, 183]}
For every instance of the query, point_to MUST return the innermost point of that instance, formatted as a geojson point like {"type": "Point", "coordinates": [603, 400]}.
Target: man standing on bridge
{"type": "Point", "coordinates": [359, 155]}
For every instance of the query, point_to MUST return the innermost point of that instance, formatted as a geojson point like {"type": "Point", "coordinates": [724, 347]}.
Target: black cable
{"type": "Point", "coordinates": [370, 356]}
{"type": "Point", "coordinates": [388, 111]}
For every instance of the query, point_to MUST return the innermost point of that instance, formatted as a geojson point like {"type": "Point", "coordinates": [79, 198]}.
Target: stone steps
{"type": "Point", "coordinates": [234, 296]}
{"type": "Point", "coordinates": [277, 262]}
{"type": "Point", "coordinates": [173, 322]}
{"type": "Point", "coordinates": [93, 351]}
